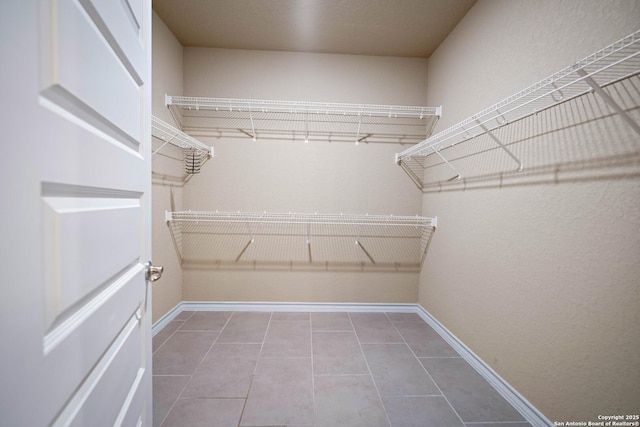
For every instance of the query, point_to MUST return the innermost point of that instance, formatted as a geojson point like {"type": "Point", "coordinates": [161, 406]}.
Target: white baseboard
{"type": "Point", "coordinates": [511, 395]}
{"type": "Point", "coordinates": [168, 317]}
{"type": "Point", "coordinates": [279, 306]}
{"type": "Point", "coordinates": [297, 306]}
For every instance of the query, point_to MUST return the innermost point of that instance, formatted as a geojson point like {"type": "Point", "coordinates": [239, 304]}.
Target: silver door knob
{"type": "Point", "coordinates": [152, 272]}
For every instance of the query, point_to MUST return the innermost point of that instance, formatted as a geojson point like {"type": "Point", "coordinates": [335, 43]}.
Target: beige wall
{"type": "Point", "coordinates": [230, 73]}
{"type": "Point", "coordinates": [290, 176]}
{"type": "Point", "coordinates": [538, 272]}
{"type": "Point", "coordinates": [167, 78]}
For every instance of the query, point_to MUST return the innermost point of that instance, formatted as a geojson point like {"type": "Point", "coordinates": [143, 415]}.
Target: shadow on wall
{"type": "Point", "coordinates": [300, 247]}
{"type": "Point", "coordinates": [579, 140]}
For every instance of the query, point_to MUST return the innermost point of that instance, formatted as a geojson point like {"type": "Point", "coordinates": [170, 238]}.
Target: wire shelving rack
{"type": "Point", "coordinates": [195, 152]}
{"type": "Point", "coordinates": [256, 119]}
{"type": "Point", "coordinates": [323, 241]}
{"type": "Point", "coordinates": [612, 64]}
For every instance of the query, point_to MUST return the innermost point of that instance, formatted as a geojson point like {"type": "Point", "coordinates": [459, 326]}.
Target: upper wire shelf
{"type": "Point", "coordinates": [300, 218]}
{"type": "Point", "coordinates": [195, 152]}
{"type": "Point", "coordinates": [169, 134]}
{"type": "Point", "coordinates": [269, 119]}
{"type": "Point", "coordinates": [616, 62]}
{"type": "Point", "coordinates": [241, 239]}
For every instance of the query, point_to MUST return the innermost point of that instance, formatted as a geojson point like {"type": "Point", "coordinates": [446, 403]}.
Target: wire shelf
{"type": "Point", "coordinates": [167, 133]}
{"type": "Point", "coordinates": [614, 63]}
{"type": "Point", "coordinates": [308, 240]}
{"type": "Point", "coordinates": [269, 119]}
{"type": "Point", "coordinates": [195, 152]}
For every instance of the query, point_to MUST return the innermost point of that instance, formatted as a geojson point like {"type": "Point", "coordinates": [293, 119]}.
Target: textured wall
{"type": "Point", "coordinates": [290, 176]}
{"type": "Point", "coordinates": [167, 78]}
{"type": "Point", "coordinates": [537, 272]}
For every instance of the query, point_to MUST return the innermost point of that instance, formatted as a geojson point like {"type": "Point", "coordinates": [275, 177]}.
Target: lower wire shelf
{"type": "Point", "coordinates": [261, 240]}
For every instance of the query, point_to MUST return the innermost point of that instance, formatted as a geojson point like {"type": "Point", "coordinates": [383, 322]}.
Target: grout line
{"type": "Point", "coordinates": [313, 376]}
{"type": "Point", "coordinates": [425, 370]}
{"type": "Point", "coordinates": [253, 376]}
{"type": "Point", "coordinates": [342, 375]}
{"type": "Point", "coordinates": [369, 369]}
{"type": "Point", "coordinates": [175, 401]}
{"type": "Point", "coordinates": [440, 357]}
{"type": "Point", "coordinates": [170, 335]}
{"type": "Point", "coordinates": [264, 339]}
{"type": "Point", "coordinates": [286, 357]}
{"type": "Point", "coordinates": [198, 365]}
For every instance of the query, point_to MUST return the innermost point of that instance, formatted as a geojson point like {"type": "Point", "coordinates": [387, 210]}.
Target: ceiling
{"type": "Point", "coordinates": [408, 28]}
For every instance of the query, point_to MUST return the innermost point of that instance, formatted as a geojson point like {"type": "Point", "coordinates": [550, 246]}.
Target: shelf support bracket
{"type": "Point", "coordinates": [497, 141]}
{"type": "Point", "coordinates": [359, 125]}
{"type": "Point", "coordinates": [167, 141]}
{"type": "Point", "coordinates": [457, 176]}
{"type": "Point", "coordinates": [253, 129]}
{"type": "Point", "coordinates": [309, 243]}
{"type": "Point", "coordinates": [251, 240]}
{"type": "Point", "coordinates": [161, 147]}
{"type": "Point", "coordinates": [607, 98]}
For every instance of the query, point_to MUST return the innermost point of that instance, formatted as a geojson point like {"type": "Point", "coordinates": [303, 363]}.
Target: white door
{"type": "Point", "coordinates": [75, 199]}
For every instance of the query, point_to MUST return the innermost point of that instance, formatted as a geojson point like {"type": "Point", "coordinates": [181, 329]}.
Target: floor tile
{"type": "Point", "coordinates": [245, 327]}
{"type": "Point", "coordinates": [287, 339]}
{"type": "Point", "coordinates": [471, 396]}
{"type": "Point", "coordinates": [281, 393]}
{"type": "Point", "coordinates": [166, 390]}
{"type": "Point", "coordinates": [404, 317]}
{"type": "Point", "coordinates": [262, 368]}
{"type": "Point", "coordinates": [226, 371]}
{"type": "Point", "coordinates": [331, 322]}
{"type": "Point", "coordinates": [347, 401]}
{"type": "Point", "coordinates": [206, 321]}
{"type": "Point", "coordinates": [182, 353]}
{"type": "Point", "coordinates": [397, 372]}
{"type": "Point", "coordinates": [205, 412]}
{"type": "Point", "coordinates": [520, 424]}
{"type": "Point", "coordinates": [421, 411]}
{"type": "Point", "coordinates": [184, 315]}
{"type": "Point", "coordinates": [424, 341]}
{"type": "Point", "coordinates": [374, 328]}
{"type": "Point", "coordinates": [165, 333]}
{"type": "Point", "coordinates": [293, 316]}
{"type": "Point", "coordinates": [337, 353]}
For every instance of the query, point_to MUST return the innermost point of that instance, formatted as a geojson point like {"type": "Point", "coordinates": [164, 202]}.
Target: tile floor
{"type": "Point", "coordinates": [316, 370]}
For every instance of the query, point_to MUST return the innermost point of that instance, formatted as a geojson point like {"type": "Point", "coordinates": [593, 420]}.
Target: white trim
{"type": "Point", "coordinates": [511, 395]}
{"type": "Point", "coordinates": [168, 317]}
{"type": "Point", "coordinates": [296, 306]}
{"type": "Point", "coordinates": [279, 306]}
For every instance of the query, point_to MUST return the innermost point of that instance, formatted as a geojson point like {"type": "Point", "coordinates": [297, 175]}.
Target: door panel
{"type": "Point", "coordinates": [75, 184]}
{"type": "Point", "coordinates": [87, 70]}
{"type": "Point", "coordinates": [110, 381]}
{"type": "Point", "coordinates": [78, 235]}
{"type": "Point", "coordinates": [77, 345]}
{"type": "Point", "coordinates": [118, 21]}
